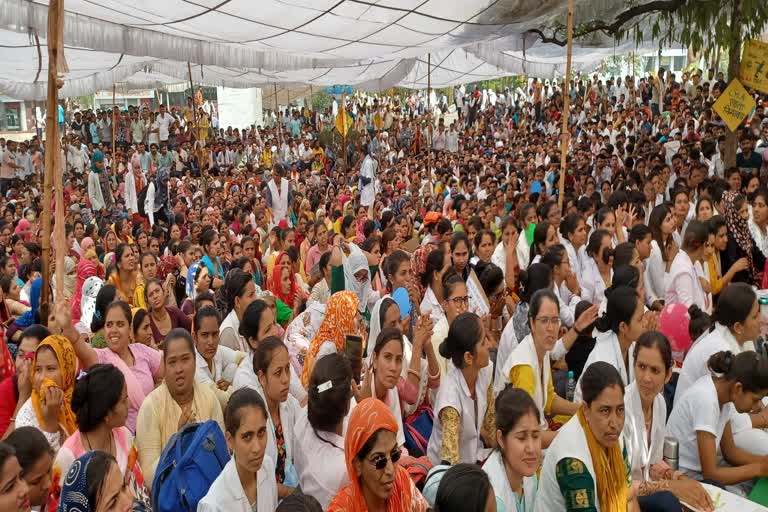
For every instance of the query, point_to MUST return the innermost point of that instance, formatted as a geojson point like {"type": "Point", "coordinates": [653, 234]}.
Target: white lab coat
{"type": "Point", "coordinates": [525, 355]}
{"type": "Point", "coordinates": [642, 455]}
{"type": "Point", "coordinates": [608, 349]}
{"type": "Point", "coordinates": [319, 460]}
{"type": "Point", "coordinates": [494, 467]}
{"type": "Point", "coordinates": [684, 285]}
{"type": "Point", "coordinates": [227, 495]}
{"type": "Point", "coordinates": [454, 393]}
{"type": "Point", "coordinates": [131, 195]}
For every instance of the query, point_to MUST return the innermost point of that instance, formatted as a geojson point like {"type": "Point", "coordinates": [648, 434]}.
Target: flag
{"type": "Point", "coordinates": [343, 122]}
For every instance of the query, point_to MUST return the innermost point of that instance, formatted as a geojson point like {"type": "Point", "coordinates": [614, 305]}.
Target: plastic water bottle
{"type": "Point", "coordinates": [571, 386]}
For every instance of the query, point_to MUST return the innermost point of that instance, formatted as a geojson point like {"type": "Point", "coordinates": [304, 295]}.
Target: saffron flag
{"type": "Point", "coordinates": [343, 122]}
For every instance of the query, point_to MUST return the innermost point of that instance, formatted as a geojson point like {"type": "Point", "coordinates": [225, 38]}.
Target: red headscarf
{"type": "Point", "coordinates": [275, 281]}
{"type": "Point", "coordinates": [366, 419]}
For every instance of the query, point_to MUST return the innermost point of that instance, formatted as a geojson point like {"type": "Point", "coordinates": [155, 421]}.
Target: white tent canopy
{"type": "Point", "coordinates": [373, 45]}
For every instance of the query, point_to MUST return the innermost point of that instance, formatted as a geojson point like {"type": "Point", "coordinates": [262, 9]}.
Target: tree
{"type": "Point", "coordinates": [701, 25]}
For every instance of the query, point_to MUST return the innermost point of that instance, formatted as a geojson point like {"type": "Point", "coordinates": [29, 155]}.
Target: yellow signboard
{"type": "Point", "coordinates": [734, 104]}
{"type": "Point", "coordinates": [754, 66]}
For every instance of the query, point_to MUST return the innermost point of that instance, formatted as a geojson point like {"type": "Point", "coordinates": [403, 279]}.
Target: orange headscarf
{"type": "Point", "coordinates": [65, 355]}
{"type": "Point", "coordinates": [366, 419]}
{"type": "Point", "coordinates": [276, 281]}
{"type": "Point", "coordinates": [339, 316]}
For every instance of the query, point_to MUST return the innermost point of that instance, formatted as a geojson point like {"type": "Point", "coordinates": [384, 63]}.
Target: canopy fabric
{"type": "Point", "coordinates": [236, 43]}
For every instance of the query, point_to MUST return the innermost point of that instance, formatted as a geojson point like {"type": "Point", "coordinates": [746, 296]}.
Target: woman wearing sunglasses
{"type": "Point", "coordinates": [377, 482]}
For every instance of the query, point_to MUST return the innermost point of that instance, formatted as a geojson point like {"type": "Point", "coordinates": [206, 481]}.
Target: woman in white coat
{"type": "Point", "coordinates": [657, 486]}
{"type": "Point", "coordinates": [617, 330]}
{"type": "Point", "coordinates": [736, 326]}
{"type": "Point", "coordinates": [318, 435]}
{"type": "Point", "coordinates": [684, 285]}
{"type": "Point", "coordinates": [597, 267]}
{"type": "Point", "coordinates": [663, 251]}
{"type": "Point", "coordinates": [512, 467]}
{"type": "Point", "coordinates": [247, 483]}
{"type": "Point", "coordinates": [271, 363]}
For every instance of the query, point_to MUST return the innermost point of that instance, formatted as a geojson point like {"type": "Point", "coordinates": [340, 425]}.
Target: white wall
{"type": "Point", "coordinates": [239, 108]}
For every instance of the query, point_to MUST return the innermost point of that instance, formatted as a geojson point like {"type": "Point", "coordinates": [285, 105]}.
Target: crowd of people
{"type": "Point", "coordinates": [409, 320]}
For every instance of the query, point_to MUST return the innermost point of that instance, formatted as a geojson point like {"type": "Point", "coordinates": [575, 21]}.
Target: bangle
{"type": "Point", "coordinates": [435, 376]}
{"type": "Point", "coordinates": [576, 330]}
{"type": "Point", "coordinates": [413, 372]}
{"type": "Point", "coordinates": [13, 419]}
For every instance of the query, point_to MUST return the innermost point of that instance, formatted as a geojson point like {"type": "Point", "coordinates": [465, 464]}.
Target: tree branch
{"type": "Point", "coordinates": [545, 39]}
{"type": "Point", "coordinates": [613, 28]}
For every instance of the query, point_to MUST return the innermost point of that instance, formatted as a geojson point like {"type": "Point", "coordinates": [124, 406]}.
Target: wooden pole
{"type": "Point", "coordinates": [52, 158]}
{"type": "Point", "coordinates": [429, 121]}
{"type": "Point", "coordinates": [114, 124]}
{"type": "Point", "coordinates": [277, 113]}
{"type": "Point", "coordinates": [343, 123]}
{"type": "Point", "coordinates": [564, 136]}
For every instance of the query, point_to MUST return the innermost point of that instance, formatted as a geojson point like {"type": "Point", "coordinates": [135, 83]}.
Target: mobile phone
{"type": "Point", "coordinates": [353, 348]}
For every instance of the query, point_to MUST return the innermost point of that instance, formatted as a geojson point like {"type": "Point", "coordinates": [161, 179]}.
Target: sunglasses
{"type": "Point", "coordinates": [380, 462]}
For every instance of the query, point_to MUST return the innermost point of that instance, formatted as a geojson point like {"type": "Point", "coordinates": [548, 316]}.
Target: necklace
{"type": "Point", "coordinates": [111, 444]}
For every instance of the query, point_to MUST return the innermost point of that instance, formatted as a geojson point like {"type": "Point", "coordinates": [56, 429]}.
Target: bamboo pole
{"type": "Point", "coordinates": [344, 124]}
{"type": "Point", "coordinates": [277, 117]}
{"type": "Point", "coordinates": [52, 158]}
{"type": "Point", "coordinates": [114, 124]}
{"type": "Point", "coordinates": [564, 136]}
{"type": "Point", "coordinates": [429, 121]}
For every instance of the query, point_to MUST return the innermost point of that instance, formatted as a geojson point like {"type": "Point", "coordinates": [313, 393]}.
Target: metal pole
{"type": "Point", "coordinates": [566, 107]}
{"type": "Point", "coordinates": [277, 114]}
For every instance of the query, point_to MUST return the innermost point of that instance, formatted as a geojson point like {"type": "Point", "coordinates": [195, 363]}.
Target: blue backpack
{"type": "Point", "coordinates": [193, 458]}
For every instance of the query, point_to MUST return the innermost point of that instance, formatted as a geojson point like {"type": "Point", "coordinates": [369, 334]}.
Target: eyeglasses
{"type": "Point", "coordinates": [458, 301]}
{"type": "Point", "coordinates": [549, 321]}
{"type": "Point", "coordinates": [380, 462]}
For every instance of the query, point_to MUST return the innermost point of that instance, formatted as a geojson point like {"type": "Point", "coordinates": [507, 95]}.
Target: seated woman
{"type": "Point", "coordinates": [464, 408]}
{"type": "Point", "coordinates": [702, 420]}
{"type": "Point", "coordinates": [512, 466]}
{"type": "Point", "coordinates": [683, 283]}
{"type": "Point", "coordinates": [377, 482]}
{"type": "Point", "coordinates": [657, 486]}
{"type": "Point", "coordinates": [93, 483]}
{"type": "Point", "coordinates": [15, 390]}
{"type": "Point", "coordinates": [271, 364]}
{"type": "Point", "coordinates": [385, 373]}
{"type": "Point", "coordinates": [53, 379]}
{"type": "Point", "coordinates": [36, 459]}
{"type": "Point", "coordinates": [736, 325]}
{"type": "Point", "coordinates": [259, 324]}
{"type": "Point", "coordinates": [127, 279]}
{"type": "Point", "coordinates": [465, 487]}
{"type": "Point", "coordinates": [100, 401]}
{"type": "Point", "coordinates": [586, 467]}
{"type": "Point", "coordinates": [162, 317]}
{"type": "Point", "coordinates": [215, 364]}
{"type": "Point", "coordinates": [247, 482]}
{"type": "Point", "coordinates": [617, 330]}
{"type": "Point", "coordinates": [713, 266]}
{"type": "Point", "coordinates": [341, 318]}
{"type": "Point", "coordinates": [420, 371]}
{"type": "Point", "coordinates": [318, 435]}
{"type": "Point", "coordinates": [141, 328]}
{"type": "Point", "coordinates": [238, 292]}
{"type": "Point", "coordinates": [528, 366]}
{"type": "Point", "coordinates": [139, 363]}
{"type": "Point", "coordinates": [14, 492]}
{"type": "Point", "coordinates": [178, 401]}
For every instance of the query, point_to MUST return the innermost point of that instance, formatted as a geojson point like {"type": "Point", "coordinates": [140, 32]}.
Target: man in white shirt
{"type": "Point", "coordinates": [367, 179]}
{"type": "Point", "coordinates": [279, 196]}
{"type": "Point", "coordinates": [164, 120]}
